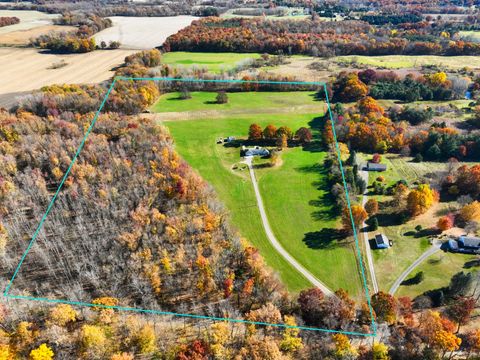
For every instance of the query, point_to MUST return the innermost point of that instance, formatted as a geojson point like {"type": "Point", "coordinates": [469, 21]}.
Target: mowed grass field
{"type": "Point", "coordinates": [214, 62]}
{"type": "Point", "coordinates": [293, 192]}
{"type": "Point", "coordinates": [247, 101]}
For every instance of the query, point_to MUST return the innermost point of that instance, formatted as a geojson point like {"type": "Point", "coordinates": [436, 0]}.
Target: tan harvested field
{"type": "Point", "coordinates": [142, 32]}
{"type": "Point", "coordinates": [28, 69]}
{"type": "Point", "coordinates": [23, 37]}
{"type": "Point", "coordinates": [28, 20]}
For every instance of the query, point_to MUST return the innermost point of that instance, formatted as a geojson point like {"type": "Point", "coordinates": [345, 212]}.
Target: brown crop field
{"type": "Point", "coordinates": [23, 37]}
{"type": "Point", "coordinates": [30, 69]}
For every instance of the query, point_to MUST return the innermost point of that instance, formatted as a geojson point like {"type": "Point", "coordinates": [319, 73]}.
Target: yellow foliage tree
{"type": "Point", "coordinates": [446, 341]}
{"type": "Point", "coordinates": [380, 352]}
{"type": "Point", "coordinates": [420, 199]}
{"type": "Point", "coordinates": [105, 313]}
{"type": "Point", "coordinates": [122, 356]}
{"type": "Point", "coordinates": [62, 314]}
{"type": "Point", "coordinates": [43, 352]}
{"type": "Point", "coordinates": [470, 212]}
{"type": "Point", "coordinates": [220, 334]}
{"type": "Point", "coordinates": [146, 339]}
{"type": "Point", "coordinates": [6, 353]}
{"type": "Point", "coordinates": [291, 342]}
{"type": "Point", "coordinates": [343, 347]}
{"type": "Point", "coordinates": [93, 338]}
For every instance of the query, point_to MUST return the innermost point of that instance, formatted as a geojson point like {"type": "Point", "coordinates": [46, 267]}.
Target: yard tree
{"type": "Point", "coordinates": [470, 212]}
{"type": "Point", "coordinates": [185, 94]}
{"type": "Point", "coordinates": [371, 207]}
{"type": "Point", "coordinates": [270, 132]}
{"type": "Point", "coordinates": [385, 307]}
{"type": "Point", "coordinates": [445, 222]}
{"type": "Point", "coordinates": [282, 142]}
{"type": "Point", "coordinates": [255, 132]}
{"type": "Point", "coordinates": [446, 341]}
{"type": "Point", "coordinates": [377, 158]}
{"type": "Point", "coordinates": [284, 130]}
{"type": "Point", "coordinates": [421, 199]}
{"type": "Point", "coordinates": [222, 97]}
{"type": "Point", "coordinates": [359, 216]}
{"type": "Point", "coordinates": [472, 342]}
{"type": "Point", "coordinates": [310, 302]}
{"type": "Point", "coordinates": [303, 135]}
{"type": "Point", "coordinates": [461, 310]}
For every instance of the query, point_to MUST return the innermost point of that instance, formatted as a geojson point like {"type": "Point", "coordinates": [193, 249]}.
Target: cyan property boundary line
{"type": "Point", "coordinates": [158, 312]}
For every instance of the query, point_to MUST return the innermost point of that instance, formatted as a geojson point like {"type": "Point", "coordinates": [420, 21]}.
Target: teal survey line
{"type": "Point", "coordinates": [158, 312]}
{"type": "Point", "coordinates": [357, 245]}
{"type": "Point", "coordinates": [50, 205]}
{"type": "Point", "coordinates": [147, 311]}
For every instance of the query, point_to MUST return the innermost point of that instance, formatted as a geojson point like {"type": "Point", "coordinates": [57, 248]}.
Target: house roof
{"type": "Point", "coordinates": [375, 166]}
{"type": "Point", "coordinates": [469, 241]}
{"type": "Point", "coordinates": [381, 240]}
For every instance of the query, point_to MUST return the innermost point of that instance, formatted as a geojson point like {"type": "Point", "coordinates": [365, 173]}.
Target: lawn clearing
{"type": "Point", "coordinates": [301, 215]}
{"type": "Point", "coordinates": [214, 62]}
{"type": "Point", "coordinates": [245, 101]}
{"type": "Point", "coordinates": [294, 187]}
{"type": "Point", "coordinates": [444, 264]}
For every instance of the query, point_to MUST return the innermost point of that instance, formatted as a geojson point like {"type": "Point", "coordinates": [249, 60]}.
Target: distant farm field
{"type": "Point", "coordinates": [405, 61]}
{"type": "Point", "coordinates": [297, 206]}
{"type": "Point", "coordinates": [142, 32]}
{"type": "Point", "coordinates": [212, 61]}
{"type": "Point", "coordinates": [28, 20]}
{"type": "Point", "coordinates": [29, 69]}
{"type": "Point", "coordinates": [23, 37]}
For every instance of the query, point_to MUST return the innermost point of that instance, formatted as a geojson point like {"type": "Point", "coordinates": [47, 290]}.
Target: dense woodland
{"type": "Point", "coordinates": [318, 38]}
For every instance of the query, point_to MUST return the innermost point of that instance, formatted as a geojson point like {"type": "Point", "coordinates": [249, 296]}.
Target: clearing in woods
{"type": "Point", "coordinates": [298, 185]}
{"type": "Point", "coordinates": [311, 235]}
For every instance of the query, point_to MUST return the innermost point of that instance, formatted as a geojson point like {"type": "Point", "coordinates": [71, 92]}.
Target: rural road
{"type": "Point", "coordinates": [368, 250]}
{"type": "Point", "coordinates": [273, 240]}
{"type": "Point", "coordinates": [432, 250]}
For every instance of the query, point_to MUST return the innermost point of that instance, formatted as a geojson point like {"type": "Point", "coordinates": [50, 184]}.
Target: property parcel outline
{"type": "Point", "coordinates": [158, 312]}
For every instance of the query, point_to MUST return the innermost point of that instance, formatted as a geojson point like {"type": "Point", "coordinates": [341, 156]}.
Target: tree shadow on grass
{"type": "Point", "coordinates": [325, 202]}
{"type": "Point", "coordinates": [472, 263]}
{"type": "Point", "coordinates": [323, 239]}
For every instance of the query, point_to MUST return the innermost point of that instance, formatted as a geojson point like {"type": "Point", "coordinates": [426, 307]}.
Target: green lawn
{"type": "Point", "coordinates": [438, 269]}
{"type": "Point", "coordinates": [295, 187]}
{"type": "Point", "coordinates": [248, 101]}
{"type": "Point", "coordinates": [300, 215]}
{"type": "Point", "coordinates": [214, 62]}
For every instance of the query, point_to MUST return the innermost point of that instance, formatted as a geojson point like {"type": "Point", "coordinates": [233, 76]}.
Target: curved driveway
{"type": "Point", "coordinates": [273, 240]}
{"type": "Point", "coordinates": [432, 250]}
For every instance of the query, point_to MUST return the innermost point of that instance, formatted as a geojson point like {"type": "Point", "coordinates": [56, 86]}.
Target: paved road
{"type": "Point", "coordinates": [368, 250]}
{"type": "Point", "coordinates": [432, 250]}
{"type": "Point", "coordinates": [273, 240]}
